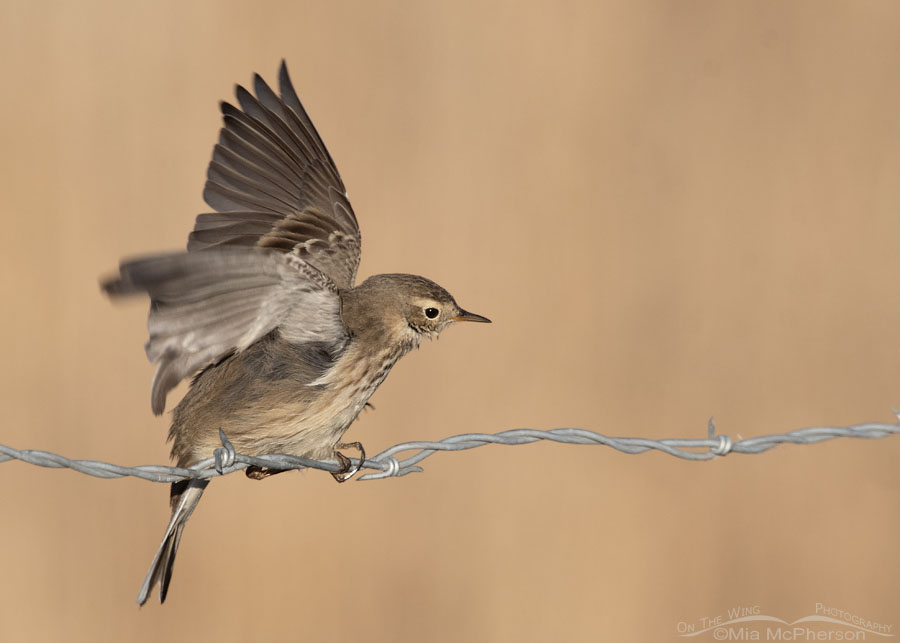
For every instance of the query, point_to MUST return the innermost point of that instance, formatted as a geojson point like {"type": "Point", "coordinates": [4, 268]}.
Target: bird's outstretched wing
{"type": "Point", "coordinates": [207, 305]}
{"type": "Point", "coordinates": [274, 185]}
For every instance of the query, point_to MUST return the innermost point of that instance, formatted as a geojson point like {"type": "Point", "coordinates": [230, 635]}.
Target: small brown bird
{"type": "Point", "coordinates": [263, 305]}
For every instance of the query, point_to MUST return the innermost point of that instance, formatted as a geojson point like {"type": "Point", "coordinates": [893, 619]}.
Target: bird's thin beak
{"type": "Point", "coordinates": [465, 315]}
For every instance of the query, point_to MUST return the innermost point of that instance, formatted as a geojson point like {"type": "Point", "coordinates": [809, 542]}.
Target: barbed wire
{"type": "Point", "coordinates": [386, 465]}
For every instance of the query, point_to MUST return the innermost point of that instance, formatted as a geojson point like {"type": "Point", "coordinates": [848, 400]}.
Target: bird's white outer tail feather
{"type": "Point", "coordinates": [161, 568]}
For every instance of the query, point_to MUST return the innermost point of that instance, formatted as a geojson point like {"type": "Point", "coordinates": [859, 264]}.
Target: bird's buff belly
{"type": "Point", "coordinates": [292, 428]}
{"type": "Point", "coordinates": [301, 420]}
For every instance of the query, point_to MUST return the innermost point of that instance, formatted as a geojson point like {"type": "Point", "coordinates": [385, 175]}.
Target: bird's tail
{"type": "Point", "coordinates": [184, 498]}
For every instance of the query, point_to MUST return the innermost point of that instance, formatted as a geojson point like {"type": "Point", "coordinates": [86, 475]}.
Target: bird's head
{"type": "Point", "coordinates": [405, 307]}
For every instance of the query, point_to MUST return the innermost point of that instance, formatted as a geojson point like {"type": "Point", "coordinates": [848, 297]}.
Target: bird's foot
{"type": "Point", "coordinates": [347, 469]}
{"type": "Point", "coordinates": [261, 473]}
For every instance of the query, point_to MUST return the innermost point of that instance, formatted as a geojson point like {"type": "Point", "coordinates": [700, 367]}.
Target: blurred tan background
{"type": "Point", "coordinates": [670, 210]}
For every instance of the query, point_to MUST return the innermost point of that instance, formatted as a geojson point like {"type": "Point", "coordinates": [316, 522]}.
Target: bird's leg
{"type": "Point", "coordinates": [347, 470]}
{"type": "Point", "coordinates": [261, 473]}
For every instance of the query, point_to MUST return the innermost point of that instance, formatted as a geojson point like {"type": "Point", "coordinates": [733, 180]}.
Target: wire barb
{"type": "Point", "coordinates": [226, 460]}
{"type": "Point", "coordinates": [224, 455]}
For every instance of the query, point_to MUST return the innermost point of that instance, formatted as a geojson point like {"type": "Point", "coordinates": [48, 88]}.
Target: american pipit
{"type": "Point", "coordinates": [263, 305]}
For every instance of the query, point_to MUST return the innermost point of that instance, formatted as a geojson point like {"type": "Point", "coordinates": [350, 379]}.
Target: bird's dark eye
{"type": "Point", "coordinates": [432, 313]}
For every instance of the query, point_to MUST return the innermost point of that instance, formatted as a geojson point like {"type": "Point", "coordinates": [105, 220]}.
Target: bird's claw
{"type": "Point", "coordinates": [260, 473]}
{"type": "Point", "coordinates": [347, 469]}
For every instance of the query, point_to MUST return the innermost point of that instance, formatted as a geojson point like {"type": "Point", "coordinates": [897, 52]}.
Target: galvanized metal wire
{"type": "Point", "coordinates": [386, 464]}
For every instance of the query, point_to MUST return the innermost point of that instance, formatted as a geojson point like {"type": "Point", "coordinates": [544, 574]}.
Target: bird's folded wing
{"type": "Point", "coordinates": [206, 305]}
{"type": "Point", "coordinates": [274, 185]}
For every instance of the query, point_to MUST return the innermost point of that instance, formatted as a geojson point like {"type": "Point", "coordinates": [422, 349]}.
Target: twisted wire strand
{"type": "Point", "coordinates": [386, 464]}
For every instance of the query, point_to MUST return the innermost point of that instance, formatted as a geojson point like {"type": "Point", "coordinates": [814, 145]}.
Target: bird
{"type": "Point", "coordinates": [262, 308]}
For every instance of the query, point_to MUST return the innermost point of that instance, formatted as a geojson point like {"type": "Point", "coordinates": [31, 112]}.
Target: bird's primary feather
{"type": "Point", "coordinates": [274, 185]}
